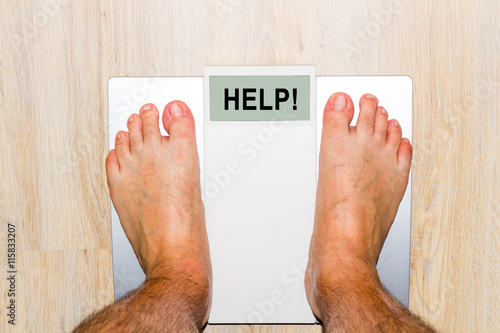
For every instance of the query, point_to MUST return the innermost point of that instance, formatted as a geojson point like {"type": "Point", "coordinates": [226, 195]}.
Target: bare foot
{"type": "Point", "coordinates": [363, 174]}
{"type": "Point", "coordinates": [154, 183]}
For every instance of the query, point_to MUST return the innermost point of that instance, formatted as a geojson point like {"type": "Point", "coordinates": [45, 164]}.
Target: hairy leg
{"type": "Point", "coordinates": [363, 174]}
{"type": "Point", "coordinates": [154, 183]}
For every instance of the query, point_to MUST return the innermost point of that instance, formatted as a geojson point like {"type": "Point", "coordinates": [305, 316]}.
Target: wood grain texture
{"type": "Point", "coordinates": [57, 55]}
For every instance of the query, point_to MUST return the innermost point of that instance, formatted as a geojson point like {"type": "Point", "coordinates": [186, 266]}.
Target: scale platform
{"type": "Point", "coordinates": [259, 173]}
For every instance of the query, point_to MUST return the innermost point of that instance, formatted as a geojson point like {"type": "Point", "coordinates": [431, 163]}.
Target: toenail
{"type": "Point", "coordinates": [146, 107]}
{"type": "Point", "coordinates": [370, 96]}
{"type": "Point", "coordinates": [131, 119]}
{"type": "Point", "coordinates": [339, 103]}
{"type": "Point", "coordinates": [176, 110]}
{"type": "Point", "coordinates": [396, 123]}
{"type": "Point", "coordinates": [383, 111]}
{"type": "Point", "coordinates": [118, 135]}
{"type": "Point", "coordinates": [408, 141]}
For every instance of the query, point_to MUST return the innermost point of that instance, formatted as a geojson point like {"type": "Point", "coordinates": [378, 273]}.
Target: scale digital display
{"type": "Point", "coordinates": [241, 98]}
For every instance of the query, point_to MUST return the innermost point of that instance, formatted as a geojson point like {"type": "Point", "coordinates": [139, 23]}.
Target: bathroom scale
{"type": "Point", "coordinates": [258, 132]}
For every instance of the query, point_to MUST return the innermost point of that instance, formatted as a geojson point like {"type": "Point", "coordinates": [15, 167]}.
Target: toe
{"type": "Point", "coordinates": [381, 122]}
{"type": "Point", "coordinates": [134, 125]}
{"type": "Point", "coordinates": [122, 145]}
{"type": "Point", "coordinates": [394, 134]}
{"type": "Point", "coordinates": [337, 116]}
{"type": "Point", "coordinates": [178, 121]}
{"type": "Point", "coordinates": [405, 154]}
{"type": "Point", "coordinates": [150, 127]}
{"type": "Point", "coordinates": [367, 109]}
{"type": "Point", "coordinates": [112, 165]}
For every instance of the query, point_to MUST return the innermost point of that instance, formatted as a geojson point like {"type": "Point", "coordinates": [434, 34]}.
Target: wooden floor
{"type": "Point", "coordinates": [57, 55]}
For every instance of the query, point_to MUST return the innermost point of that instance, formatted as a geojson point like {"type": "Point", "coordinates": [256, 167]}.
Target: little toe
{"type": "Point", "coordinates": [150, 126]}
{"type": "Point", "coordinates": [367, 109]}
{"type": "Point", "coordinates": [405, 154]}
{"type": "Point", "coordinates": [337, 116]}
{"type": "Point", "coordinates": [394, 133]}
{"type": "Point", "coordinates": [179, 121]}
{"type": "Point", "coordinates": [112, 165]}
{"type": "Point", "coordinates": [381, 123]}
{"type": "Point", "coordinates": [122, 145]}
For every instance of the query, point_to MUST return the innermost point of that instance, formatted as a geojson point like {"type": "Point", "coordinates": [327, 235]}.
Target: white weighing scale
{"type": "Point", "coordinates": [258, 132]}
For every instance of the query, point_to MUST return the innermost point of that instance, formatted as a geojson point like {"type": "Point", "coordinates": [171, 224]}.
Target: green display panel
{"type": "Point", "coordinates": [265, 98]}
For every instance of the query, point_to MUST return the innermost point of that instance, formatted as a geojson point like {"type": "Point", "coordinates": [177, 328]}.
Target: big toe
{"type": "Point", "coordinates": [337, 116]}
{"type": "Point", "coordinates": [179, 121]}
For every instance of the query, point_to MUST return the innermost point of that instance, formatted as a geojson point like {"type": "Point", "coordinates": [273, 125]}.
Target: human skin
{"type": "Point", "coordinates": [363, 174]}
{"type": "Point", "coordinates": [154, 183]}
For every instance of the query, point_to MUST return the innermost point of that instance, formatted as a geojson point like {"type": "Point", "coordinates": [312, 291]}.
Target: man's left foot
{"type": "Point", "coordinates": [363, 174]}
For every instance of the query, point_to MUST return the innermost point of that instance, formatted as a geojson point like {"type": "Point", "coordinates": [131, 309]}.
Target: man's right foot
{"type": "Point", "coordinates": [154, 182]}
{"type": "Point", "coordinates": [363, 174]}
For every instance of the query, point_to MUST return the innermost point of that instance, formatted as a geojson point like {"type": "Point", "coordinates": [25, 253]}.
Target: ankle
{"type": "Point", "coordinates": [350, 269]}
{"type": "Point", "coordinates": [181, 266]}
{"type": "Point", "coordinates": [188, 282]}
{"type": "Point", "coordinates": [338, 277]}
{"type": "Point", "coordinates": [344, 287]}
